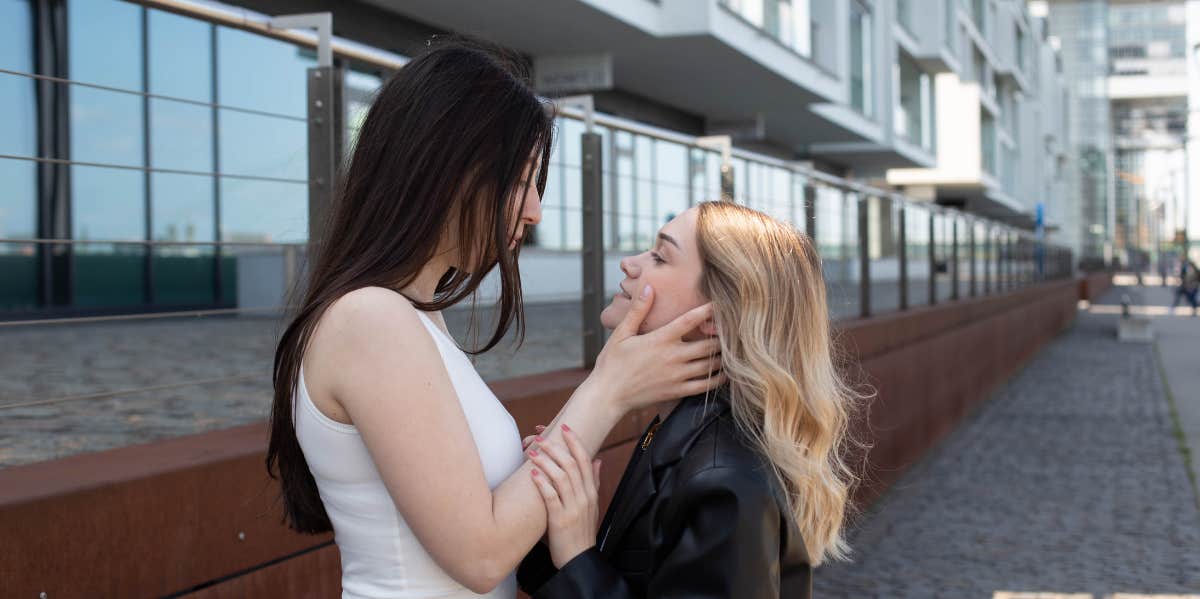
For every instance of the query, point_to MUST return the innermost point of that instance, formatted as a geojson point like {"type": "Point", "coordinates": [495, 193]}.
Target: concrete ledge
{"type": "Point", "coordinates": [164, 518]}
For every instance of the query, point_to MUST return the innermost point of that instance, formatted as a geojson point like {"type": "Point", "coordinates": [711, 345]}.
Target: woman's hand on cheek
{"type": "Point", "coordinates": [657, 366]}
{"type": "Point", "coordinates": [568, 481]}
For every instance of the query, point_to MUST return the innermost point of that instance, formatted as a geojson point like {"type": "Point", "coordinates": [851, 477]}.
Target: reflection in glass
{"type": "Point", "coordinates": [837, 242]}
{"type": "Point", "coordinates": [180, 56]}
{"type": "Point", "coordinates": [261, 73]}
{"type": "Point", "coordinates": [108, 204]}
{"type": "Point", "coordinates": [181, 136]}
{"type": "Point", "coordinates": [671, 179]}
{"type": "Point", "coordinates": [105, 43]}
{"type": "Point", "coordinates": [18, 116]}
{"type": "Point", "coordinates": [262, 146]}
{"type": "Point", "coordinates": [181, 207]}
{"type": "Point", "coordinates": [16, 36]}
{"type": "Point", "coordinates": [263, 211]}
{"type": "Point", "coordinates": [883, 229]}
{"type": "Point", "coordinates": [18, 262]}
{"type": "Point", "coordinates": [106, 127]}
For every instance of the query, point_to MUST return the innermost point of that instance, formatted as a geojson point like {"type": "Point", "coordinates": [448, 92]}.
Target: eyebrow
{"type": "Point", "coordinates": [671, 240]}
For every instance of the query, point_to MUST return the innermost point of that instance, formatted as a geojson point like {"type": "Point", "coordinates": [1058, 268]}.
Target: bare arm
{"type": "Point", "coordinates": [384, 369]}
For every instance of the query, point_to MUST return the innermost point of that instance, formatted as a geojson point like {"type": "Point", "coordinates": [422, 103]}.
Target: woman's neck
{"type": "Point", "coordinates": [423, 287]}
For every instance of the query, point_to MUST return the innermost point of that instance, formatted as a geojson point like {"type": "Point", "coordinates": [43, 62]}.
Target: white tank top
{"type": "Point", "coordinates": [381, 556]}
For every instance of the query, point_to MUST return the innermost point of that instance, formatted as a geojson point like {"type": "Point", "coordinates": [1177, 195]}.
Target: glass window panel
{"type": "Point", "coordinates": [569, 132]}
{"type": "Point", "coordinates": [183, 276]}
{"type": "Point", "coordinates": [181, 136]}
{"type": "Point", "coordinates": [18, 119]}
{"type": "Point", "coordinates": [262, 73]}
{"type": "Point", "coordinates": [105, 43]}
{"type": "Point", "coordinates": [964, 255]}
{"type": "Point", "coordinates": [16, 35]}
{"type": "Point", "coordinates": [943, 246]}
{"type": "Point", "coordinates": [267, 211]}
{"type": "Point", "coordinates": [359, 93]}
{"type": "Point", "coordinates": [180, 56]}
{"type": "Point", "coordinates": [181, 207]}
{"type": "Point", "coordinates": [916, 224]}
{"type": "Point", "coordinates": [550, 231]}
{"type": "Point", "coordinates": [883, 226]}
{"type": "Point", "coordinates": [572, 189]}
{"type": "Point", "coordinates": [837, 242]}
{"type": "Point", "coordinates": [108, 204]}
{"type": "Point", "coordinates": [18, 116]}
{"type": "Point", "coordinates": [106, 127]}
{"type": "Point", "coordinates": [263, 146]}
{"type": "Point", "coordinates": [18, 220]}
{"type": "Point", "coordinates": [182, 210]}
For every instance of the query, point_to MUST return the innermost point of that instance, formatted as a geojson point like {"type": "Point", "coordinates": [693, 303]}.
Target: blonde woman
{"type": "Point", "coordinates": [735, 493]}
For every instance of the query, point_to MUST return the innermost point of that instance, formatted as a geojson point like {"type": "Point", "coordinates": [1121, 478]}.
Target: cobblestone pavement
{"type": "Point", "coordinates": [1068, 480]}
{"type": "Point", "coordinates": [203, 374]}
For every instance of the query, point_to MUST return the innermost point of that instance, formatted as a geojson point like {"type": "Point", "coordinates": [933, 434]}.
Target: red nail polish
{"type": "Point", "coordinates": [534, 472]}
{"type": "Point", "coordinates": [533, 453]}
{"type": "Point", "coordinates": [566, 428]}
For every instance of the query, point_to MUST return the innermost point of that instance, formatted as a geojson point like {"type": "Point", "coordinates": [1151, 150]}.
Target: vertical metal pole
{"type": "Point", "coordinates": [953, 258]}
{"type": "Point", "coordinates": [593, 248]}
{"type": "Point", "coordinates": [864, 258]}
{"type": "Point", "coordinates": [933, 250]}
{"type": "Point", "coordinates": [147, 161]}
{"type": "Point", "coordinates": [971, 270]}
{"type": "Point", "coordinates": [727, 188]}
{"type": "Point", "coordinates": [325, 133]}
{"type": "Point", "coordinates": [987, 264]}
{"type": "Point", "coordinates": [218, 267]}
{"type": "Point", "coordinates": [810, 211]}
{"type": "Point", "coordinates": [55, 261]}
{"type": "Point", "coordinates": [902, 253]}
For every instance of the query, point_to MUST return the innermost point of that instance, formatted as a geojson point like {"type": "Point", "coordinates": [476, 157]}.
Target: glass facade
{"type": "Point", "coordinates": [914, 116]}
{"type": "Point", "coordinates": [788, 21]}
{"type": "Point", "coordinates": [178, 131]}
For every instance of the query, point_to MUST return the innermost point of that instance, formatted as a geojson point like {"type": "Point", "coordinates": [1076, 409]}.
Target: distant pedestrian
{"type": "Point", "coordinates": [1189, 284]}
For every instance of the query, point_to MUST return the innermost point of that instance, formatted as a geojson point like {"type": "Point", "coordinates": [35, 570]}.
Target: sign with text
{"type": "Point", "coordinates": [565, 74]}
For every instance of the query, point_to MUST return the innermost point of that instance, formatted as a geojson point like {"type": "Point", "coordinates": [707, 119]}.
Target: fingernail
{"type": "Point", "coordinates": [533, 453]}
{"type": "Point", "coordinates": [534, 472]}
{"type": "Point", "coordinates": [646, 291]}
{"type": "Point", "coordinates": [566, 428]}
{"type": "Point", "coordinates": [538, 438]}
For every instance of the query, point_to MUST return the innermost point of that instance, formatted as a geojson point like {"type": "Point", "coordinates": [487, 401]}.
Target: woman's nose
{"type": "Point", "coordinates": [533, 209]}
{"type": "Point", "coordinates": [629, 267]}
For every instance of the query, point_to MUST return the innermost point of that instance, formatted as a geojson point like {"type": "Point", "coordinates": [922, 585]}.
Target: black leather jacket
{"type": "Point", "coordinates": [697, 514]}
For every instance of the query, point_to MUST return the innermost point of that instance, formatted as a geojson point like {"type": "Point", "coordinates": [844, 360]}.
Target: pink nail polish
{"type": "Point", "coordinates": [646, 291]}
{"type": "Point", "coordinates": [538, 438]}
{"type": "Point", "coordinates": [534, 472]}
{"type": "Point", "coordinates": [533, 453]}
{"type": "Point", "coordinates": [566, 428]}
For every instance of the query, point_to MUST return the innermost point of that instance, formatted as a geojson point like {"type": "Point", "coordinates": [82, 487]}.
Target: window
{"type": "Point", "coordinates": [860, 60]}
{"type": "Point", "coordinates": [914, 105]}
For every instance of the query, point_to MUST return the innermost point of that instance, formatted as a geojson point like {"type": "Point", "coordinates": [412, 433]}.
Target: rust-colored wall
{"type": "Point", "coordinates": [165, 518]}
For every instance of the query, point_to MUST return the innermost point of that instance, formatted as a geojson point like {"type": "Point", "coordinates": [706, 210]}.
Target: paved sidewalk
{"type": "Point", "coordinates": [1068, 480]}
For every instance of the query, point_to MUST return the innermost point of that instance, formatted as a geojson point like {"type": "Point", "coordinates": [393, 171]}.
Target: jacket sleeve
{"type": "Point", "coordinates": [535, 569]}
{"type": "Point", "coordinates": [724, 530]}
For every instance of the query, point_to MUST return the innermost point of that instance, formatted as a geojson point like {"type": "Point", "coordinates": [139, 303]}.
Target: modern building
{"type": "Point", "coordinates": [1148, 92]}
{"type": "Point", "coordinates": [1001, 100]}
{"type": "Point", "coordinates": [155, 153]}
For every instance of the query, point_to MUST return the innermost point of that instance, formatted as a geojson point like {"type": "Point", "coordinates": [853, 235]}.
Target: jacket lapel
{"type": "Point", "coordinates": [671, 441]}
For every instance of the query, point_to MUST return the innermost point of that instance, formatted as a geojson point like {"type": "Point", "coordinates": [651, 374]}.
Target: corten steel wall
{"type": "Point", "coordinates": [197, 516]}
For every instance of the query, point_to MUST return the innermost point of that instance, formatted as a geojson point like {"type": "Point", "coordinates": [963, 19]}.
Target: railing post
{"type": "Point", "coordinates": [864, 256]}
{"type": "Point", "coordinates": [971, 270]}
{"type": "Point", "coordinates": [932, 258]}
{"type": "Point", "coordinates": [953, 269]}
{"type": "Point", "coordinates": [593, 247]}
{"type": "Point", "coordinates": [902, 251]}
{"type": "Point", "coordinates": [810, 211]}
{"type": "Point", "coordinates": [324, 146]}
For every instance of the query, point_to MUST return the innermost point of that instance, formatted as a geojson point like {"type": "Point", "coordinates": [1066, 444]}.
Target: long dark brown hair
{"type": "Point", "coordinates": [446, 140]}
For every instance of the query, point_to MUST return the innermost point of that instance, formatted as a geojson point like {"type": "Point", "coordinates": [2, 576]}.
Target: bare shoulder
{"type": "Point", "coordinates": [366, 336]}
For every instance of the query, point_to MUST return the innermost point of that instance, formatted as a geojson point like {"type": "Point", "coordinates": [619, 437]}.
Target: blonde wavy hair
{"type": "Point", "coordinates": [764, 280]}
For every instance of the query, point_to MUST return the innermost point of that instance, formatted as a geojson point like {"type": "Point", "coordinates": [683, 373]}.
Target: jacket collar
{"type": "Point", "coordinates": [672, 439]}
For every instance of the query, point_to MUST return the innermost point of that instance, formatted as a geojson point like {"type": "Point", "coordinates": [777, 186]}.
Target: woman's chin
{"type": "Point", "coordinates": [611, 316]}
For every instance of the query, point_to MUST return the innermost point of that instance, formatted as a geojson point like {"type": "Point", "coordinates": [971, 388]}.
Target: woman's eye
{"type": "Point", "coordinates": [657, 259]}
